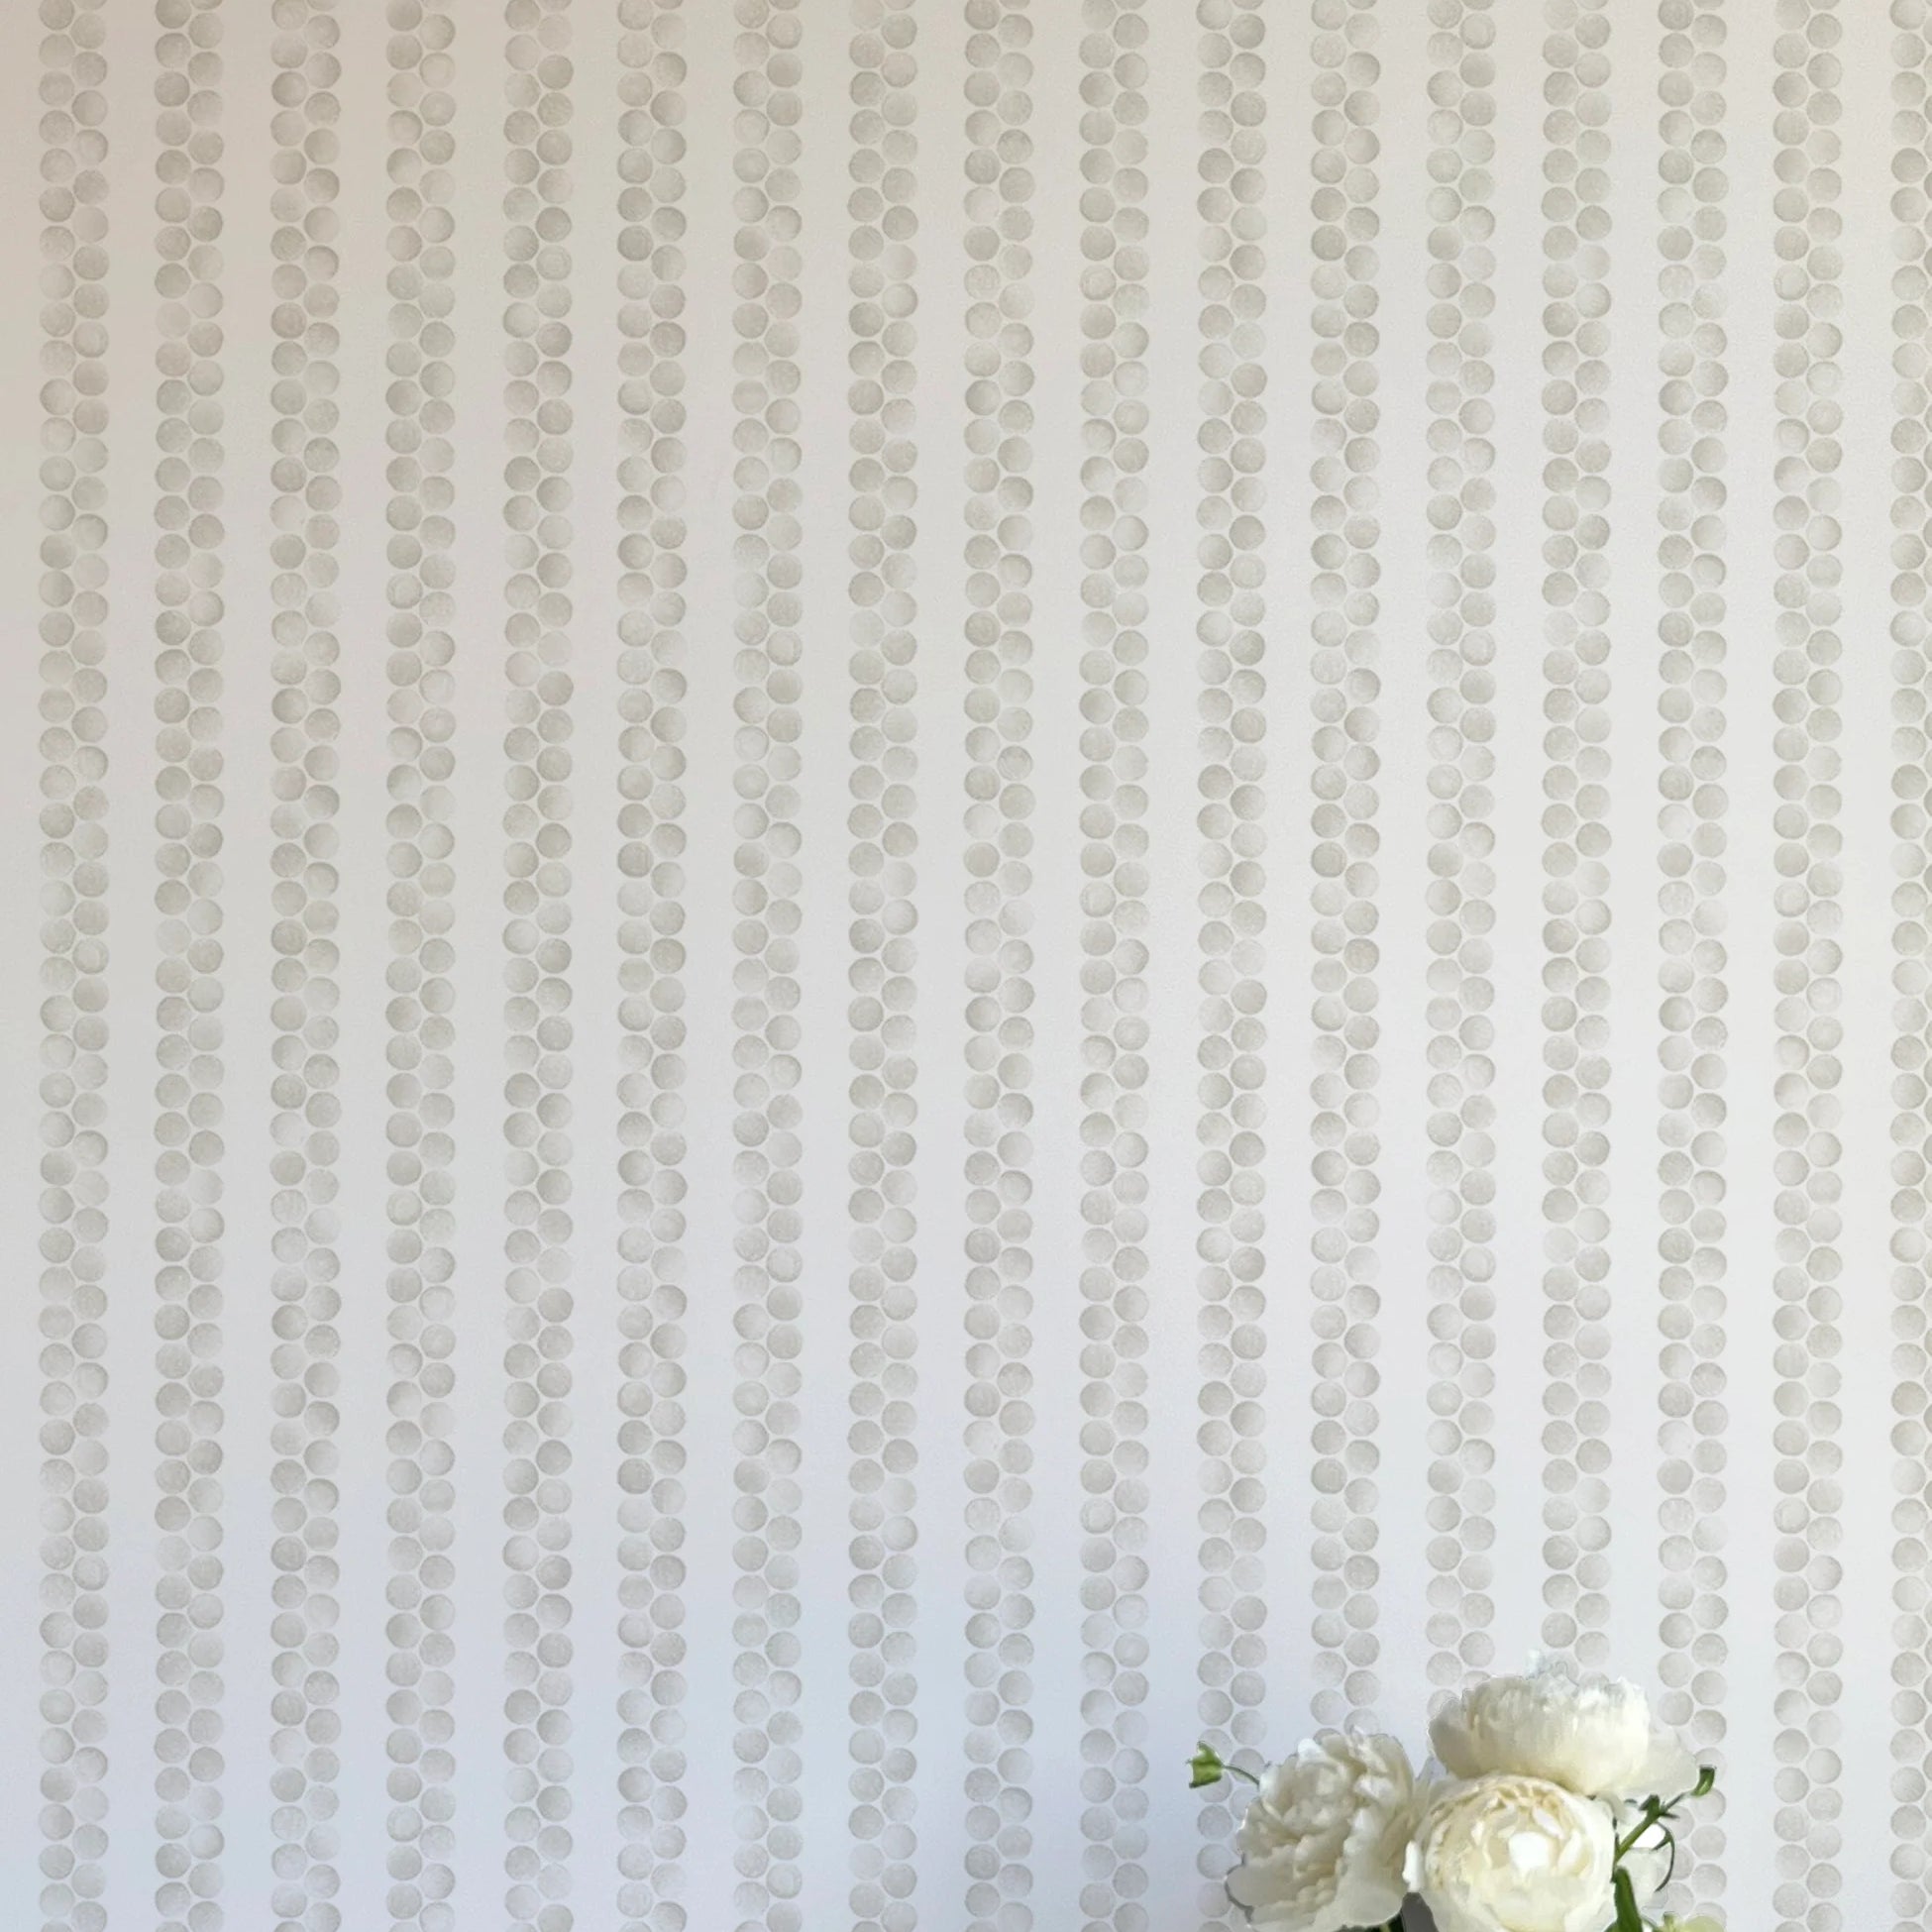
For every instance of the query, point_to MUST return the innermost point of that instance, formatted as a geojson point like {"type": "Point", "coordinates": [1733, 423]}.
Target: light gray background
{"type": "Point", "coordinates": [1176, 724]}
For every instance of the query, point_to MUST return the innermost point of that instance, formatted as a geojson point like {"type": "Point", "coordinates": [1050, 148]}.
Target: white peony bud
{"type": "Point", "coordinates": [1504, 1853]}
{"type": "Point", "coordinates": [1322, 1843]}
{"type": "Point", "coordinates": [1592, 1736]}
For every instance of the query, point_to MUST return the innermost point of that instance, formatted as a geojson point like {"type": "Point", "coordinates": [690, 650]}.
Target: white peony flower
{"type": "Point", "coordinates": [1321, 1844]}
{"type": "Point", "coordinates": [1505, 1853]}
{"type": "Point", "coordinates": [1592, 1736]}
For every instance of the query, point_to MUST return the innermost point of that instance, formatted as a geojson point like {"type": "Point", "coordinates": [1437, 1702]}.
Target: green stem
{"type": "Point", "coordinates": [1653, 1811]}
{"type": "Point", "coordinates": [1628, 1919]}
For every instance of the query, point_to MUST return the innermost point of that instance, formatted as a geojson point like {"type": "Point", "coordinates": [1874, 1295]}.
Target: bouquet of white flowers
{"type": "Point", "coordinates": [1549, 1808]}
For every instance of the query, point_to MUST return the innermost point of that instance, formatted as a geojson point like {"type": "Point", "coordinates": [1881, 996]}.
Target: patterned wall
{"type": "Point", "coordinates": [930, 888]}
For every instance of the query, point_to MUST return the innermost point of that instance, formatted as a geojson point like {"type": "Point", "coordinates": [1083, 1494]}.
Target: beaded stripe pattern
{"type": "Point", "coordinates": [1113, 955]}
{"type": "Point", "coordinates": [1230, 707]}
{"type": "Point", "coordinates": [1807, 1113]}
{"type": "Point", "coordinates": [1461, 883]}
{"type": "Point", "coordinates": [651, 667]}
{"type": "Point", "coordinates": [189, 536]}
{"type": "Point", "coordinates": [880, 976]}
{"type": "Point", "coordinates": [767, 574]}
{"type": "Point", "coordinates": [1912, 975]}
{"type": "Point", "coordinates": [72, 981]}
{"type": "Point", "coordinates": [999, 800]}
{"type": "Point", "coordinates": [538, 764]}
{"type": "Point", "coordinates": [307, 1143]}
{"type": "Point", "coordinates": [1576, 828]}
{"type": "Point", "coordinates": [1344, 664]}
{"type": "Point", "coordinates": [1692, 191]}
{"type": "Point", "coordinates": [422, 1155]}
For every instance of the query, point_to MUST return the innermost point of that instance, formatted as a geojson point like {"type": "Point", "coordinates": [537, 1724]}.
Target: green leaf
{"type": "Point", "coordinates": [1628, 1919]}
{"type": "Point", "coordinates": [1706, 1781]}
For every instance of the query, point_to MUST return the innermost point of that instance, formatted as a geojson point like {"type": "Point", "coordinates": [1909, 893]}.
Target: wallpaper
{"type": "Point", "coordinates": [907, 894]}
